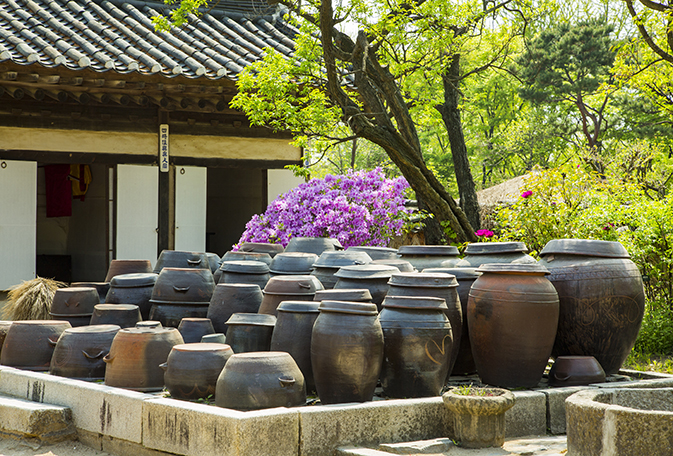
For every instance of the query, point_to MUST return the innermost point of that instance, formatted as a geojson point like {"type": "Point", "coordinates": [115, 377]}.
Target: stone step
{"type": "Point", "coordinates": [21, 418]}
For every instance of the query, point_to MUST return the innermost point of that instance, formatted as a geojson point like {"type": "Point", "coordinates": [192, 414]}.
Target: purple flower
{"type": "Point", "coordinates": [484, 233]}
{"type": "Point", "coordinates": [526, 194]}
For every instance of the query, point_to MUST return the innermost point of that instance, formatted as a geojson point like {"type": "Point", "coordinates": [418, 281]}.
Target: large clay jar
{"type": "Point", "coordinates": [601, 296]}
{"type": "Point", "coordinates": [330, 262]}
{"type": "Point", "coordinates": [74, 304]}
{"type": "Point", "coordinates": [429, 256]}
{"type": "Point", "coordinates": [181, 293]}
{"type": "Point", "coordinates": [292, 334]}
{"type": "Point", "coordinates": [373, 277]}
{"type": "Point", "coordinates": [181, 259]}
{"type": "Point", "coordinates": [254, 381]}
{"type": "Point", "coordinates": [443, 286]}
{"type": "Point", "coordinates": [464, 364]}
{"type": "Point", "coordinates": [193, 329]}
{"type": "Point", "coordinates": [292, 263]}
{"type": "Point", "coordinates": [135, 356]}
{"type": "Point", "coordinates": [493, 252]}
{"type": "Point", "coordinates": [191, 370]}
{"type": "Point", "coordinates": [417, 346]}
{"type": "Point", "coordinates": [316, 245]}
{"type": "Point", "coordinates": [213, 261]}
{"type": "Point", "coordinates": [119, 267]}
{"type": "Point", "coordinates": [288, 288]}
{"type": "Point", "coordinates": [346, 351]}
{"type": "Point", "coordinates": [512, 313]}
{"type": "Point", "coordinates": [101, 287]}
{"type": "Point", "coordinates": [231, 298]}
{"type": "Point", "coordinates": [133, 289]}
{"type": "Point", "coordinates": [79, 352]}
{"type": "Point", "coordinates": [254, 272]}
{"type": "Point", "coordinates": [375, 253]}
{"type": "Point", "coordinates": [262, 247]}
{"type": "Point", "coordinates": [249, 332]}
{"type": "Point", "coordinates": [122, 315]}
{"type": "Point", "coordinates": [29, 344]}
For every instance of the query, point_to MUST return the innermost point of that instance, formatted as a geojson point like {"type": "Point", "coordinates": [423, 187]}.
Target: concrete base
{"type": "Point", "coordinates": [26, 419]}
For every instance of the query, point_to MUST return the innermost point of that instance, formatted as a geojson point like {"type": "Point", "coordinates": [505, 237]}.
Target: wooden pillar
{"type": "Point", "coordinates": [164, 199]}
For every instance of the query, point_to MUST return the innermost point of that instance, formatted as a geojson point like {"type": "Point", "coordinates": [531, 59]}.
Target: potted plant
{"type": "Point", "coordinates": [479, 414]}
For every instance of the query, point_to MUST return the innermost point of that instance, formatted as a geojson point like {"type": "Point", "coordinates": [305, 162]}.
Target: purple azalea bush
{"type": "Point", "coordinates": [359, 208]}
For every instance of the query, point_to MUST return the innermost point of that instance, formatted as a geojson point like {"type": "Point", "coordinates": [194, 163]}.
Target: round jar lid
{"type": "Point", "coordinates": [440, 250]}
{"type": "Point", "coordinates": [415, 302]}
{"type": "Point", "coordinates": [293, 263]}
{"type": "Point", "coordinates": [509, 268]}
{"type": "Point", "coordinates": [299, 306]}
{"type": "Point", "coordinates": [344, 294]}
{"type": "Point", "coordinates": [201, 347]}
{"type": "Point", "coordinates": [490, 248]}
{"type": "Point", "coordinates": [459, 273]}
{"type": "Point", "coordinates": [376, 253]}
{"type": "Point", "coordinates": [251, 319]}
{"type": "Point", "coordinates": [146, 279]}
{"type": "Point", "coordinates": [586, 247]}
{"type": "Point", "coordinates": [339, 258]}
{"type": "Point", "coordinates": [347, 307]}
{"type": "Point", "coordinates": [245, 267]}
{"type": "Point", "coordinates": [93, 329]}
{"type": "Point", "coordinates": [423, 279]}
{"type": "Point", "coordinates": [366, 271]}
{"type": "Point", "coordinates": [399, 263]}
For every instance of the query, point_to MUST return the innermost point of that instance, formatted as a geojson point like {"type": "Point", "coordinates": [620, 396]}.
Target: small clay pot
{"type": "Point", "coordinates": [292, 263]}
{"type": "Point", "coordinates": [192, 370]}
{"type": "Point", "coordinates": [250, 332]}
{"type": "Point", "coordinates": [122, 315]}
{"type": "Point", "coordinates": [193, 329]}
{"type": "Point", "coordinates": [133, 289]}
{"type": "Point", "coordinates": [29, 344]}
{"type": "Point", "coordinates": [575, 371]}
{"type": "Point", "coordinates": [79, 352]}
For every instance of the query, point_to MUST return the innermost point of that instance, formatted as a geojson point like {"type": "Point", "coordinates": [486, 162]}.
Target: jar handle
{"type": "Point", "coordinates": [286, 381]}
{"type": "Point", "coordinates": [304, 284]}
{"type": "Point", "coordinates": [561, 378]}
{"type": "Point", "coordinates": [194, 262]}
{"type": "Point", "coordinates": [52, 342]}
{"type": "Point", "coordinates": [163, 366]}
{"type": "Point", "coordinates": [102, 352]}
{"type": "Point", "coordinates": [181, 289]}
{"type": "Point", "coordinates": [108, 359]}
{"type": "Point", "coordinates": [67, 303]}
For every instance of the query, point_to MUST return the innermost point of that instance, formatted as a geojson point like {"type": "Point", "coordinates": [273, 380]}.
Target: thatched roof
{"type": "Point", "coordinates": [506, 192]}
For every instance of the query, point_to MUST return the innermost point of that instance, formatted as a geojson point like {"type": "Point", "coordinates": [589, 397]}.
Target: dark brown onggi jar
{"type": "Point", "coordinates": [601, 296]}
{"type": "Point", "coordinates": [480, 253]}
{"type": "Point", "coordinates": [191, 370]}
{"type": "Point", "coordinates": [512, 313]}
{"type": "Point", "coordinates": [30, 344]}
{"type": "Point", "coordinates": [133, 289]}
{"type": "Point", "coordinates": [231, 298]}
{"type": "Point", "coordinates": [79, 352]}
{"type": "Point", "coordinates": [373, 277]}
{"type": "Point", "coordinates": [346, 351]}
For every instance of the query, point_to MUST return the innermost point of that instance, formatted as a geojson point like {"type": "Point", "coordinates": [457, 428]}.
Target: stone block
{"type": "Point", "coordinates": [584, 421]}
{"type": "Point", "coordinates": [192, 429]}
{"type": "Point", "coordinates": [528, 416]}
{"type": "Point", "coordinates": [628, 431]}
{"type": "Point", "coordinates": [556, 410]}
{"type": "Point", "coordinates": [96, 408]}
{"type": "Point", "coordinates": [325, 428]}
{"type": "Point", "coordinates": [22, 418]}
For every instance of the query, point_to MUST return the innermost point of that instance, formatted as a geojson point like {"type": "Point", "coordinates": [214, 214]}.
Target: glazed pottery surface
{"type": "Point", "coordinates": [346, 351]}
{"type": "Point", "coordinates": [575, 371]}
{"type": "Point", "coordinates": [512, 314]}
{"type": "Point", "coordinates": [493, 252]}
{"type": "Point", "coordinates": [602, 299]}
{"type": "Point", "coordinates": [292, 263]}
{"type": "Point", "coordinates": [135, 356]}
{"type": "Point", "coordinates": [316, 245]}
{"type": "Point", "coordinates": [373, 277]}
{"type": "Point", "coordinates": [429, 256]}
{"type": "Point", "coordinates": [253, 272]}
{"type": "Point", "coordinates": [437, 285]}
{"type": "Point", "coordinates": [254, 381]}
{"type": "Point", "coordinates": [191, 370]}
{"type": "Point", "coordinates": [79, 352]}
{"type": "Point", "coordinates": [231, 298]}
{"type": "Point", "coordinates": [292, 334]}
{"type": "Point", "coordinates": [344, 294]}
{"type": "Point", "coordinates": [122, 315]}
{"type": "Point", "coordinates": [101, 287]}
{"type": "Point", "coordinates": [181, 259]}
{"type": "Point", "coordinates": [417, 346]}
{"type": "Point", "coordinates": [465, 276]}
{"type": "Point", "coordinates": [133, 289]}
{"type": "Point", "coordinates": [193, 329]}
{"type": "Point", "coordinates": [249, 332]}
{"type": "Point", "coordinates": [119, 267]}
{"type": "Point", "coordinates": [29, 344]}
{"type": "Point", "coordinates": [375, 253]}
{"type": "Point", "coordinates": [288, 288]}
{"type": "Point", "coordinates": [262, 247]}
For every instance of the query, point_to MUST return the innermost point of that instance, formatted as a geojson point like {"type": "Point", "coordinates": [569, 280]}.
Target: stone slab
{"type": "Point", "coordinates": [95, 407]}
{"type": "Point", "coordinates": [556, 410]}
{"type": "Point", "coordinates": [433, 446]}
{"type": "Point", "coordinates": [325, 428]}
{"type": "Point", "coordinates": [22, 418]}
{"type": "Point", "coordinates": [528, 416]}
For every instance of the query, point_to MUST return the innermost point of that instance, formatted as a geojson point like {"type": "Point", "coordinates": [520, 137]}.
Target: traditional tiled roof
{"type": "Point", "coordinates": [118, 36]}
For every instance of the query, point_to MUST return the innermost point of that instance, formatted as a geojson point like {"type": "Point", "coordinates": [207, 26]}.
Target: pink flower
{"type": "Point", "coordinates": [484, 233]}
{"type": "Point", "coordinates": [526, 194]}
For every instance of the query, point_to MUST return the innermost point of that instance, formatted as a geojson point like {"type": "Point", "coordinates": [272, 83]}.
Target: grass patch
{"type": "Point", "coordinates": [649, 362]}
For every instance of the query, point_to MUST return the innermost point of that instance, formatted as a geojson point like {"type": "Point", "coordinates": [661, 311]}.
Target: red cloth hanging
{"type": "Point", "coordinates": [59, 190]}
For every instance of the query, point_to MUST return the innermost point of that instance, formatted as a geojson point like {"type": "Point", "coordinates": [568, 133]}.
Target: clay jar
{"type": "Point", "coordinates": [254, 381]}
{"type": "Point", "coordinates": [4, 327]}
{"type": "Point", "coordinates": [254, 272]}
{"type": "Point", "coordinates": [74, 305]}
{"type": "Point", "coordinates": [443, 286]}
{"type": "Point", "coordinates": [375, 253]}
{"type": "Point", "coordinates": [79, 352]}
{"type": "Point", "coordinates": [231, 298]}
{"type": "Point", "coordinates": [241, 256]}
{"type": "Point", "coordinates": [193, 329]}
{"type": "Point", "coordinates": [292, 263]}
{"type": "Point", "coordinates": [181, 293]}
{"type": "Point", "coordinates": [101, 287]}
{"type": "Point", "coordinates": [135, 356]}
{"type": "Point", "coordinates": [373, 277]}
{"type": "Point", "coordinates": [288, 288]}
{"type": "Point", "coordinates": [512, 313]}
{"type": "Point", "coordinates": [575, 371]}
{"type": "Point", "coordinates": [429, 256]}
{"type": "Point", "coordinates": [330, 262]}
{"type": "Point", "coordinates": [346, 351]}
{"type": "Point", "coordinates": [353, 295]}
{"type": "Point", "coordinates": [30, 344]}
{"type": "Point", "coordinates": [316, 245]}
{"type": "Point", "coordinates": [250, 332]}
{"type": "Point", "coordinates": [464, 364]}
{"type": "Point", "coordinates": [417, 346]}
{"type": "Point", "coordinates": [493, 252]}
{"type": "Point", "coordinates": [133, 289]}
{"type": "Point", "coordinates": [191, 370]}
{"type": "Point", "coordinates": [181, 259]}
{"type": "Point", "coordinates": [292, 334]}
{"type": "Point", "coordinates": [122, 315]}
{"type": "Point", "coordinates": [213, 261]}
{"type": "Point", "coordinates": [601, 297]}
{"type": "Point", "coordinates": [262, 247]}
{"type": "Point", "coordinates": [119, 267]}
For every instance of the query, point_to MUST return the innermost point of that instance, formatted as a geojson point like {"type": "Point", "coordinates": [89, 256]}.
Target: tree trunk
{"type": "Point", "coordinates": [461, 164]}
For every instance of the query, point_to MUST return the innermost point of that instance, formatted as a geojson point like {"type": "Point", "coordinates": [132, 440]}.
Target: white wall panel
{"type": "Point", "coordinates": [190, 208]}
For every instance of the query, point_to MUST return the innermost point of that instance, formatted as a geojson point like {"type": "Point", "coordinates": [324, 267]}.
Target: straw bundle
{"type": "Point", "coordinates": [31, 300]}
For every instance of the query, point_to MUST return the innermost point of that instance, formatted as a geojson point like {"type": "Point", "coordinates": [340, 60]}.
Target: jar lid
{"type": "Point", "coordinates": [440, 250]}
{"type": "Point", "coordinates": [93, 329]}
{"type": "Point", "coordinates": [399, 263]}
{"type": "Point", "coordinates": [293, 263]}
{"type": "Point", "coordinates": [459, 273]}
{"type": "Point", "coordinates": [201, 347]}
{"type": "Point", "coordinates": [115, 307]}
{"type": "Point", "coordinates": [339, 258]}
{"type": "Point", "coordinates": [299, 306]}
{"type": "Point", "coordinates": [245, 267]}
{"type": "Point", "coordinates": [149, 330]}
{"type": "Point", "coordinates": [415, 302]}
{"type": "Point", "coordinates": [261, 247]}
{"type": "Point", "coordinates": [376, 253]}
{"type": "Point", "coordinates": [366, 271]}
{"type": "Point", "coordinates": [344, 294]}
{"type": "Point", "coordinates": [251, 319]}
{"type": "Point", "coordinates": [138, 279]}
{"type": "Point", "coordinates": [348, 307]}
{"type": "Point", "coordinates": [490, 248]}
{"type": "Point", "coordinates": [585, 247]}
{"type": "Point", "coordinates": [509, 268]}
{"type": "Point", "coordinates": [423, 279]}
{"type": "Point", "coordinates": [246, 256]}
{"type": "Point", "coordinates": [293, 285]}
